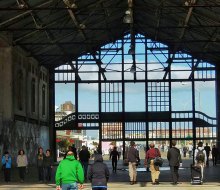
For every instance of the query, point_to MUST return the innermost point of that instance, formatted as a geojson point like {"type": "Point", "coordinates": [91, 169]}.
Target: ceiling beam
{"type": "Point", "coordinates": [99, 63]}
{"type": "Point", "coordinates": [36, 30]}
{"type": "Point", "coordinates": [182, 33]}
{"type": "Point", "coordinates": [22, 14]}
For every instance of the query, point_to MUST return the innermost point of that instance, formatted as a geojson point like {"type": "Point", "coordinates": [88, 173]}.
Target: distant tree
{"type": "Point", "coordinates": [95, 143]}
{"type": "Point", "coordinates": [64, 144]}
{"type": "Point", "coordinates": [113, 143]}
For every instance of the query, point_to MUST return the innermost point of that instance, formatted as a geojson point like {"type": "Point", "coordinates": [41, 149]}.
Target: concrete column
{"type": "Point", "coordinates": [218, 105]}
{"type": "Point", "coordinates": [52, 131]}
{"type": "Point", "coordinates": [6, 83]}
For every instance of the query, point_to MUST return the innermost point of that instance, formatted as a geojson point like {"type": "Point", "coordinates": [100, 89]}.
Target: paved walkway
{"type": "Point", "coordinates": [118, 186]}
{"type": "Point", "coordinates": [120, 180]}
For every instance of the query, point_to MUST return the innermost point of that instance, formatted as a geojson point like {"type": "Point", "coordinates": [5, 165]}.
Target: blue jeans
{"type": "Point", "coordinates": [85, 168]}
{"type": "Point", "coordinates": [99, 188]}
{"type": "Point", "coordinates": [70, 186]}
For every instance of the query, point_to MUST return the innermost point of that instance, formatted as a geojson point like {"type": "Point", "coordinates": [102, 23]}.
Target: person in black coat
{"type": "Point", "coordinates": [84, 156]}
{"type": "Point", "coordinates": [98, 173]}
{"type": "Point", "coordinates": [114, 155]}
{"type": "Point", "coordinates": [214, 155]}
{"type": "Point", "coordinates": [174, 158]}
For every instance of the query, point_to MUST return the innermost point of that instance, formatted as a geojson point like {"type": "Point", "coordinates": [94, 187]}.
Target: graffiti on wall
{"type": "Point", "coordinates": [22, 135]}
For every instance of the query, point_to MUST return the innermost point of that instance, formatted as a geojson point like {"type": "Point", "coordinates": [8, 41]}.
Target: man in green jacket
{"type": "Point", "coordinates": [69, 173]}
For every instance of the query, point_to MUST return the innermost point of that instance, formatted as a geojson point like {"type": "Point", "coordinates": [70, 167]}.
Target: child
{"type": "Point", "coordinates": [98, 173]}
{"type": "Point", "coordinates": [6, 166]}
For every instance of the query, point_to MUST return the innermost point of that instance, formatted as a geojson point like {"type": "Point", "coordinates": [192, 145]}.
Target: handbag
{"type": "Point", "coordinates": [158, 161]}
{"type": "Point", "coordinates": [125, 162]}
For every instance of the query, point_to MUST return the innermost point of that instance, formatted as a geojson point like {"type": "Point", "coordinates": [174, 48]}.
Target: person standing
{"type": "Point", "coordinates": [98, 173]}
{"type": "Point", "coordinates": [184, 151]}
{"type": "Point", "coordinates": [48, 165]}
{"type": "Point", "coordinates": [84, 156]}
{"type": "Point", "coordinates": [190, 149]}
{"type": "Point", "coordinates": [6, 166]}
{"type": "Point", "coordinates": [149, 159]}
{"type": "Point", "coordinates": [22, 164]}
{"type": "Point", "coordinates": [114, 155]}
{"type": "Point", "coordinates": [200, 158]}
{"type": "Point", "coordinates": [40, 164]}
{"type": "Point", "coordinates": [207, 150]}
{"type": "Point", "coordinates": [175, 161]}
{"type": "Point", "coordinates": [133, 158]}
{"type": "Point", "coordinates": [69, 173]}
{"type": "Point", "coordinates": [214, 155]}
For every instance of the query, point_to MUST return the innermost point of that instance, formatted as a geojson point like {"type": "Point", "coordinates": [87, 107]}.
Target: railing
{"type": "Point", "coordinates": [175, 115]}
{"type": "Point", "coordinates": [198, 115]}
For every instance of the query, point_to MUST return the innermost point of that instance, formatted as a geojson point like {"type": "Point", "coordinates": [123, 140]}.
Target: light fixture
{"type": "Point", "coordinates": [189, 2]}
{"type": "Point", "coordinates": [133, 68]}
{"type": "Point", "coordinates": [70, 4]}
{"type": "Point", "coordinates": [128, 19]}
{"type": "Point", "coordinates": [21, 4]}
{"type": "Point", "coordinates": [82, 26]}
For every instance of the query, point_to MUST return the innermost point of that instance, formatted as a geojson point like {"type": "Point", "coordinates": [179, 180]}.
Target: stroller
{"type": "Point", "coordinates": [196, 175]}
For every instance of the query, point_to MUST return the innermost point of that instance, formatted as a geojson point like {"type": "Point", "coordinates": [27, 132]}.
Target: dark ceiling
{"type": "Point", "coordinates": [53, 32]}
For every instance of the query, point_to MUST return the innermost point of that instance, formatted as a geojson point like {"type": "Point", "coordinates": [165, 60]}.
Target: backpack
{"type": "Point", "coordinates": [200, 157]}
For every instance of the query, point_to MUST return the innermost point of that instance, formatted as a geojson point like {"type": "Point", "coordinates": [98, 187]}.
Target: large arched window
{"type": "Point", "coordinates": [20, 93]}
{"type": "Point", "coordinates": [43, 97]}
{"type": "Point", "coordinates": [33, 92]}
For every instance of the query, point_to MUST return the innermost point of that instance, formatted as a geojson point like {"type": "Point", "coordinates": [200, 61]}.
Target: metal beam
{"type": "Point", "coordinates": [99, 63]}
{"type": "Point", "coordinates": [76, 22]}
{"type": "Point", "coordinates": [36, 30]}
{"type": "Point", "coordinates": [188, 16]}
{"type": "Point", "coordinates": [74, 70]}
{"type": "Point", "coordinates": [22, 14]}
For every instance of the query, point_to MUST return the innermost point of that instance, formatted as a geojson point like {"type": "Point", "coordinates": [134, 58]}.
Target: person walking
{"type": "Point", "coordinates": [22, 164]}
{"type": "Point", "coordinates": [40, 164]}
{"type": "Point", "coordinates": [48, 165]}
{"type": "Point", "coordinates": [114, 155]}
{"type": "Point", "coordinates": [133, 158]}
{"type": "Point", "coordinates": [98, 173]}
{"type": "Point", "coordinates": [214, 155]}
{"type": "Point", "coordinates": [151, 154]}
{"type": "Point", "coordinates": [175, 161]}
{"type": "Point", "coordinates": [69, 173]}
{"type": "Point", "coordinates": [184, 151]}
{"type": "Point", "coordinates": [200, 158]}
{"type": "Point", "coordinates": [207, 150]}
{"type": "Point", "coordinates": [84, 156]}
{"type": "Point", "coordinates": [6, 166]}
